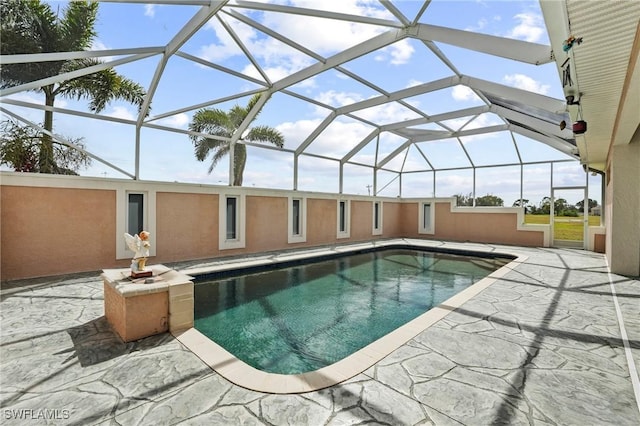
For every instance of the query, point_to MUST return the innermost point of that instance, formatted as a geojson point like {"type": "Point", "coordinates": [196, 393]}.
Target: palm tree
{"type": "Point", "coordinates": [29, 26]}
{"type": "Point", "coordinates": [220, 123]}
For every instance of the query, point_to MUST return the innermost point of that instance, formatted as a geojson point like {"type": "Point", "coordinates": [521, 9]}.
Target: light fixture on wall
{"type": "Point", "coordinates": [579, 127]}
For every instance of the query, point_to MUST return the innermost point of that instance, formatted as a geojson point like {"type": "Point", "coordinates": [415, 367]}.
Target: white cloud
{"type": "Point", "coordinates": [150, 10]}
{"type": "Point", "coordinates": [98, 45]}
{"type": "Point", "coordinates": [524, 82]}
{"type": "Point", "coordinates": [482, 23]}
{"type": "Point", "coordinates": [276, 59]}
{"type": "Point", "coordinates": [323, 36]}
{"type": "Point", "coordinates": [330, 142]}
{"type": "Point", "coordinates": [397, 54]}
{"type": "Point", "coordinates": [179, 120]}
{"type": "Point", "coordinates": [531, 27]}
{"type": "Point", "coordinates": [121, 112]}
{"type": "Point", "coordinates": [337, 99]}
{"type": "Point", "coordinates": [463, 93]}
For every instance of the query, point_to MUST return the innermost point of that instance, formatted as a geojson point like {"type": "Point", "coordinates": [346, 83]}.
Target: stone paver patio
{"type": "Point", "coordinates": [542, 345]}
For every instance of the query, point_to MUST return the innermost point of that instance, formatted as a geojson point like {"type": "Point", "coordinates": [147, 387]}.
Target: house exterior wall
{"type": "Point", "coordinates": [622, 208]}
{"type": "Point", "coordinates": [63, 224]}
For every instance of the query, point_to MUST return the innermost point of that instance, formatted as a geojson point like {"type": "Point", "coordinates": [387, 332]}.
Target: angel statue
{"type": "Point", "coordinates": [139, 244]}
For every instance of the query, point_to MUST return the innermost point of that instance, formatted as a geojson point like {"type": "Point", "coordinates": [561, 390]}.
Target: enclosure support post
{"type": "Point", "coordinates": [474, 187]}
{"type": "Point", "coordinates": [375, 181]}
{"type": "Point", "coordinates": [521, 185]}
{"type": "Point", "coordinates": [137, 160]}
{"type": "Point", "coordinates": [232, 149]}
{"type": "Point", "coordinates": [434, 184]}
{"type": "Point", "coordinates": [295, 171]}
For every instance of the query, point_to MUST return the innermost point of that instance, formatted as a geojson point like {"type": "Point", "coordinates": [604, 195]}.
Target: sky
{"type": "Point", "coordinates": [168, 156]}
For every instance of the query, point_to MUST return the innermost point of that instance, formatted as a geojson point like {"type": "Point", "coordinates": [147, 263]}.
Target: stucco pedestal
{"type": "Point", "coordinates": [136, 309]}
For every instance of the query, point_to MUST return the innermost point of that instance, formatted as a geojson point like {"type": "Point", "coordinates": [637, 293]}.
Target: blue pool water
{"type": "Point", "coordinates": [305, 317]}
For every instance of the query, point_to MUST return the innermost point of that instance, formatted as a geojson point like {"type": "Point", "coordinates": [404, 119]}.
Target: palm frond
{"type": "Point", "coordinates": [100, 87]}
{"type": "Point", "coordinates": [266, 134]}
{"type": "Point", "coordinates": [210, 121]}
{"type": "Point", "coordinates": [76, 30]}
{"type": "Point", "coordinates": [221, 152]}
{"type": "Point", "coordinates": [27, 27]}
{"type": "Point", "coordinates": [221, 123]}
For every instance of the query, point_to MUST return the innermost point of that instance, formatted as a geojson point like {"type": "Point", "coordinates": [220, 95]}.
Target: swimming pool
{"type": "Point", "coordinates": [304, 317]}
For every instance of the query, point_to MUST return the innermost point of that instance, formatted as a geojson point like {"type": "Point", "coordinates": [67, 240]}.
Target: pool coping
{"type": "Point", "coordinates": [242, 374]}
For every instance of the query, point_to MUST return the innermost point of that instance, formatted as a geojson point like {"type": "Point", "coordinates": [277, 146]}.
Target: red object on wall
{"type": "Point", "coordinates": [579, 127]}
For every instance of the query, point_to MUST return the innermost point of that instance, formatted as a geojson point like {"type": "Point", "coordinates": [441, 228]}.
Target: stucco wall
{"type": "Point", "coordinates": [489, 227]}
{"type": "Point", "coordinates": [49, 231]}
{"type": "Point", "coordinates": [187, 227]}
{"type": "Point", "coordinates": [392, 219]}
{"type": "Point", "coordinates": [54, 225]}
{"type": "Point", "coordinates": [361, 220]}
{"type": "Point", "coordinates": [321, 221]}
{"type": "Point", "coordinates": [266, 223]}
{"type": "Point", "coordinates": [622, 208]}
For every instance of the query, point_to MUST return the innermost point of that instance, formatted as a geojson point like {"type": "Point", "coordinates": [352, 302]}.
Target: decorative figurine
{"type": "Point", "coordinates": [139, 244]}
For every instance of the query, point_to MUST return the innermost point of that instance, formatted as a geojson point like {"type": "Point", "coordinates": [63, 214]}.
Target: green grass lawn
{"type": "Point", "coordinates": [565, 228]}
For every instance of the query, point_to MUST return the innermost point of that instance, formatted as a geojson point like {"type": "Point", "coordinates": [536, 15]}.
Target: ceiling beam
{"type": "Point", "coordinates": [326, 14]}
{"type": "Point", "coordinates": [517, 50]}
{"type": "Point", "coordinates": [27, 58]}
{"type": "Point", "coordinates": [190, 28]}
{"type": "Point", "coordinates": [556, 143]}
{"type": "Point", "coordinates": [518, 95]}
{"type": "Point", "coordinates": [442, 135]}
{"type": "Point", "coordinates": [72, 74]}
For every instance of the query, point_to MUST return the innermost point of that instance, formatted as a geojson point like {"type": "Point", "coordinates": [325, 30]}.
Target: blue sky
{"type": "Point", "coordinates": [168, 156]}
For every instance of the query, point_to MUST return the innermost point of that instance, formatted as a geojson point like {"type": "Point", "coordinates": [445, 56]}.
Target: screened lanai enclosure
{"type": "Point", "coordinates": [390, 98]}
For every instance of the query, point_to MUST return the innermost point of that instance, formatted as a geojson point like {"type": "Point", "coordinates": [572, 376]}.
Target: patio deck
{"type": "Point", "coordinates": [541, 345]}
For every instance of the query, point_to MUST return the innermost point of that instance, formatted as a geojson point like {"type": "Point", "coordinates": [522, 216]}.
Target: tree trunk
{"type": "Point", "coordinates": [239, 162]}
{"type": "Point", "coordinates": [46, 162]}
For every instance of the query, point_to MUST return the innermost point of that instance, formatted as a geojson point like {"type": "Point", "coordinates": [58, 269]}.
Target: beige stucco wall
{"type": "Point", "coordinates": [187, 227]}
{"type": "Point", "coordinates": [622, 208]}
{"type": "Point", "coordinates": [49, 231]}
{"type": "Point", "coordinates": [490, 227]}
{"type": "Point", "coordinates": [321, 221]}
{"type": "Point", "coordinates": [266, 223]}
{"type": "Point", "coordinates": [361, 220]}
{"type": "Point", "coordinates": [54, 225]}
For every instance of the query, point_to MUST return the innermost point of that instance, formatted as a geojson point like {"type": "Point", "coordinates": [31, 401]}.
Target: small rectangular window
{"type": "Point", "coordinates": [343, 216]}
{"type": "Point", "coordinates": [135, 214]}
{"type": "Point", "coordinates": [232, 218]}
{"type": "Point", "coordinates": [377, 218]}
{"type": "Point", "coordinates": [376, 215]}
{"type": "Point", "coordinates": [426, 216]}
{"type": "Point", "coordinates": [295, 224]}
{"type": "Point", "coordinates": [426, 222]}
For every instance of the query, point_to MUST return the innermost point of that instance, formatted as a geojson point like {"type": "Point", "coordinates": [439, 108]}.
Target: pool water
{"type": "Point", "coordinates": [305, 317]}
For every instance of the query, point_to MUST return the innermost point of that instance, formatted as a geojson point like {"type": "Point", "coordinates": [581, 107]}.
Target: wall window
{"type": "Point", "coordinates": [377, 218]}
{"type": "Point", "coordinates": [344, 219]}
{"type": "Point", "coordinates": [135, 212]}
{"type": "Point", "coordinates": [232, 218]}
{"type": "Point", "coordinates": [295, 212]}
{"type": "Point", "coordinates": [231, 221]}
{"type": "Point", "coordinates": [426, 219]}
{"type": "Point", "coordinates": [297, 223]}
